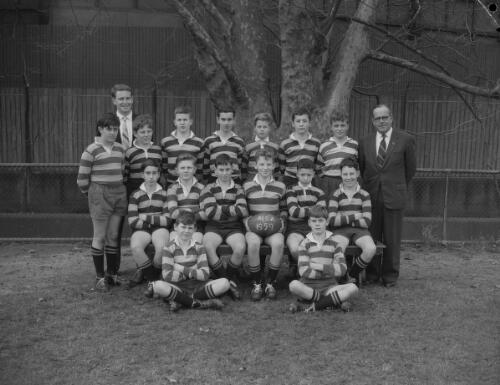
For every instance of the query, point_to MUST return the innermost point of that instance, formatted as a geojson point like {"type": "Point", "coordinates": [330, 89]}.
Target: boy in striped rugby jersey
{"type": "Point", "coordinates": [185, 194]}
{"type": "Point", "coordinates": [265, 195]}
{"type": "Point", "coordinates": [185, 271]}
{"type": "Point", "coordinates": [182, 140]}
{"type": "Point", "coordinates": [321, 263]}
{"type": "Point", "coordinates": [263, 123]}
{"type": "Point", "coordinates": [225, 205]}
{"type": "Point", "coordinates": [299, 199]}
{"type": "Point", "coordinates": [100, 177]}
{"type": "Point", "coordinates": [300, 145]}
{"type": "Point", "coordinates": [332, 152]}
{"type": "Point", "coordinates": [148, 219]}
{"type": "Point", "coordinates": [223, 141]}
{"type": "Point", "coordinates": [142, 148]}
{"type": "Point", "coordinates": [350, 215]}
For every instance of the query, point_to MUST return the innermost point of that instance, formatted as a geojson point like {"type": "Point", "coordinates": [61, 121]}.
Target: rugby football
{"type": "Point", "coordinates": [264, 224]}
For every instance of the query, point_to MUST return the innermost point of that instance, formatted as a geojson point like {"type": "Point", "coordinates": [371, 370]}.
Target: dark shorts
{"type": "Point", "coordinates": [301, 228]}
{"type": "Point", "coordinates": [190, 285]}
{"type": "Point", "coordinates": [151, 229]}
{"type": "Point", "coordinates": [351, 233]}
{"type": "Point", "coordinates": [225, 229]}
{"type": "Point", "coordinates": [107, 200]}
{"type": "Point", "coordinates": [321, 285]}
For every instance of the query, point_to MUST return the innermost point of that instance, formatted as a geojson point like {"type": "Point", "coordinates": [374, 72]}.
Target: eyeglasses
{"type": "Point", "coordinates": [382, 118]}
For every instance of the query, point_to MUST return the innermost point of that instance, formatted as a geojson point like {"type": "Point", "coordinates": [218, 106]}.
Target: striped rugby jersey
{"type": "Point", "coordinates": [220, 206]}
{"type": "Point", "coordinates": [300, 199]}
{"type": "Point", "coordinates": [135, 156]}
{"type": "Point", "coordinates": [100, 165]}
{"type": "Point", "coordinates": [270, 199]}
{"type": "Point", "coordinates": [342, 209]}
{"type": "Point", "coordinates": [331, 155]}
{"type": "Point", "coordinates": [316, 258]}
{"type": "Point", "coordinates": [292, 152]}
{"type": "Point", "coordinates": [179, 265]}
{"type": "Point", "coordinates": [178, 200]}
{"type": "Point", "coordinates": [234, 146]}
{"type": "Point", "coordinates": [154, 206]}
{"type": "Point", "coordinates": [249, 161]}
{"type": "Point", "coordinates": [171, 148]}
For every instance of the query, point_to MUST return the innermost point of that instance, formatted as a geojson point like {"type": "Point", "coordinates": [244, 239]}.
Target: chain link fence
{"type": "Point", "coordinates": [444, 197]}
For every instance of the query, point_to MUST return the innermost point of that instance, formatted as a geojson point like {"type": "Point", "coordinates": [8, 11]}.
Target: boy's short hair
{"type": "Point", "coordinates": [265, 117]}
{"type": "Point", "coordinates": [349, 162]}
{"type": "Point", "coordinates": [307, 164]}
{"type": "Point", "coordinates": [108, 119]}
{"type": "Point", "coordinates": [186, 218]}
{"type": "Point", "coordinates": [225, 109]}
{"type": "Point", "coordinates": [185, 156]}
{"type": "Point", "coordinates": [183, 110]}
{"type": "Point", "coordinates": [150, 163]}
{"type": "Point", "coordinates": [267, 153]}
{"type": "Point", "coordinates": [318, 211]}
{"type": "Point", "coordinates": [339, 117]}
{"type": "Point", "coordinates": [141, 121]}
{"type": "Point", "coordinates": [120, 87]}
{"type": "Point", "coordinates": [301, 111]}
{"type": "Point", "coordinates": [223, 160]}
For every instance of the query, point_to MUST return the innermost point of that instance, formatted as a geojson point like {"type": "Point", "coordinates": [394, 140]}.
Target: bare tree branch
{"type": "Point", "coordinates": [223, 23]}
{"type": "Point", "coordinates": [442, 77]}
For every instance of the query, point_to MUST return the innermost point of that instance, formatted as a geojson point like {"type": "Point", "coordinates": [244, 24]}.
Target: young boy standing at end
{"type": "Point", "coordinates": [225, 205]}
{"type": "Point", "coordinates": [181, 141]}
{"type": "Point", "coordinates": [350, 216]}
{"type": "Point", "coordinates": [300, 145]}
{"type": "Point", "coordinates": [185, 271]}
{"type": "Point", "coordinates": [142, 148]}
{"type": "Point", "coordinates": [100, 177]}
{"type": "Point", "coordinates": [299, 199]}
{"type": "Point", "coordinates": [265, 195]}
{"type": "Point", "coordinates": [223, 141]}
{"type": "Point", "coordinates": [263, 122]}
{"type": "Point", "coordinates": [332, 152]}
{"type": "Point", "coordinates": [148, 219]}
{"type": "Point", "coordinates": [321, 263]}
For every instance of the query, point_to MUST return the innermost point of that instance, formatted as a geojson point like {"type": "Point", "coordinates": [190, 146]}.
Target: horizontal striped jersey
{"type": "Point", "coordinates": [292, 151]}
{"type": "Point", "coordinates": [269, 199]}
{"type": "Point", "coordinates": [234, 146]}
{"type": "Point", "coordinates": [135, 156]}
{"type": "Point", "coordinates": [172, 147]}
{"type": "Point", "coordinates": [249, 161]}
{"type": "Point", "coordinates": [154, 206]}
{"type": "Point", "coordinates": [101, 165]}
{"type": "Point", "coordinates": [321, 260]}
{"type": "Point", "coordinates": [179, 199]}
{"type": "Point", "coordinates": [180, 264]}
{"type": "Point", "coordinates": [220, 205]}
{"type": "Point", "coordinates": [331, 155]}
{"type": "Point", "coordinates": [355, 211]}
{"type": "Point", "coordinates": [300, 199]}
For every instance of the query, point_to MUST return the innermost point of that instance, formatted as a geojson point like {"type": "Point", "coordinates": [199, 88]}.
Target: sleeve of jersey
{"type": "Point", "coordinates": [83, 178]}
{"type": "Point", "coordinates": [133, 214]}
{"type": "Point", "coordinates": [339, 263]}
{"type": "Point", "coordinates": [321, 199]}
{"type": "Point", "coordinates": [320, 163]}
{"type": "Point", "coordinates": [282, 204]}
{"type": "Point", "coordinates": [282, 160]}
{"type": "Point", "coordinates": [333, 207]}
{"type": "Point", "coordinates": [292, 204]}
{"type": "Point", "coordinates": [366, 208]}
{"type": "Point", "coordinates": [164, 158]}
{"type": "Point", "coordinates": [173, 210]}
{"type": "Point", "coordinates": [305, 266]}
{"type": "Point", "coordinates": [168, 271]}
{"type": "Point", "coordinates": [240, 209]}
{"type": "Point", "coordinates": [161, 218]}
{"type": "Point", "coordinates": [200, 271]}
{"type": "Point", "coordinates": [206, 162]}
{"type": "Point", "coordinates": [199, 163]}
{"type": "Point", "coordinates": [209, 205]}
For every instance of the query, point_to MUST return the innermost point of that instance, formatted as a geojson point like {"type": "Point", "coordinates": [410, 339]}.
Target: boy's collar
{"type": "Point", "coordinates": [358, 187]}
{"type": "Point", "coordinates": [157, 188]}
{"type": "Point", "coordinates": [292, 136]}
{"type": "Point", "coordinates": [231, 184]}
{"type": "Point", "coordinates": [302, 186]}
{"type": "Point", "coordinates": [310, 236]}
{"type": "Point", "coordinates": [182, 184]}
{"type": "Point", "coordinates": [174, 134]}
{"type": "Point", "coordinates": [134, 143]}
{"type": "Point", "coordinates": [97, 140]}
{"type": "Point", "coordinates": [177, 242]}
{"type": "Point", "coordinates": [219, 131]}
{"type": "Point", "coordinates": [257, 139]}
{"type": "Point", "coordinates": [334, 139]}
{"type": "Point", "coordinates": [256, 179]}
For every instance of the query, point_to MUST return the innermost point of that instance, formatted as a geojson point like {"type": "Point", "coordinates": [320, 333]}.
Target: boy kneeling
{"type": "Point", "coordinates": [185, 271]}
{"type": "Point", "coordinates": [321, 263]}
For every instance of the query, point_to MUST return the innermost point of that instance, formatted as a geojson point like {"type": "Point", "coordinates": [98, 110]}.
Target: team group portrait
{"type": "Point", "coordinates": [234, 192]}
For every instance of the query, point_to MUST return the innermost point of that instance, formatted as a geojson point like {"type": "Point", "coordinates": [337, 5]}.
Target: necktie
{"type": "Point", "coordinates": [381, 152]}
{"type": "Point", "coordinates": [124, 133]}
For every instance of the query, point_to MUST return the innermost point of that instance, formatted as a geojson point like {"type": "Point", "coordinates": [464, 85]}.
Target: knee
{"type": "Point", "coordinates": [370, 251]}
{"type": "Point", "coordinates": [294, 287]}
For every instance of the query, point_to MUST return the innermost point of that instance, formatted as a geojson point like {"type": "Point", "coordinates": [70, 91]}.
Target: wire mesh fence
{"type": "Point", "coordinates": [441, 195]}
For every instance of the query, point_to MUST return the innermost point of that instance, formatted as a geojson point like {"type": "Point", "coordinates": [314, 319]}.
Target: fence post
{"type": "Point", "coordinates": [445, 208]}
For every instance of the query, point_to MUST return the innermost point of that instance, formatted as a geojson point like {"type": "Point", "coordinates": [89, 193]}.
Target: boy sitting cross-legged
{"type": "Point", "coordinates": [265, 195]}
{"type": "Point", "coordinates": [321, 263]}
{"type": "Point", "coordinates": [148, 219]}
{"type": "Point", "coordinates": [350, 215]}
{"type": "Point", "coordinates": [225, 205]}
{"type": "Point", "coordinates": [185, 271]}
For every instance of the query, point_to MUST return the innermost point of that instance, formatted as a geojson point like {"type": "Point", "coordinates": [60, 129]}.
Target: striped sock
{"type": "Point", "coordinates": [111, 259]}
{"type": "Point", "coordinates": [316, 296]}
{"type": "Point", "coordinates": [255, 274]}
{"type": "Point", "coordinates": [180, 297]}
{"type": "Point", "coordinates": [357, 267]}
{"type": "Point", "coordinates": [98, 257]}
{"type": "Point", "coordinates": [218, 269]}
{"type": "Point", "coordinates": [232, 271]}
{"type": "Point", "coordinates": [272, 273]}
{"type": "Point", "coordinates": [205, 292]}
{"type": "Point", "coordinates": [328, 300]}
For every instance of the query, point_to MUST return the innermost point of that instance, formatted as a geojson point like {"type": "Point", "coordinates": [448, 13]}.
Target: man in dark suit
{"type": "Point", "coordinates": [387, 163]}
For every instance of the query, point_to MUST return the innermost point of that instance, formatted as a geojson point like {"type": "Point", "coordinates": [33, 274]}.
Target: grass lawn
{"type": "Point", "coordinates": [440, 325]}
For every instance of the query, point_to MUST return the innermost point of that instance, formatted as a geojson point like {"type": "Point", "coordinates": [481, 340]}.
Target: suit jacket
{"type": "Point", "coordinates": [394, 176]}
